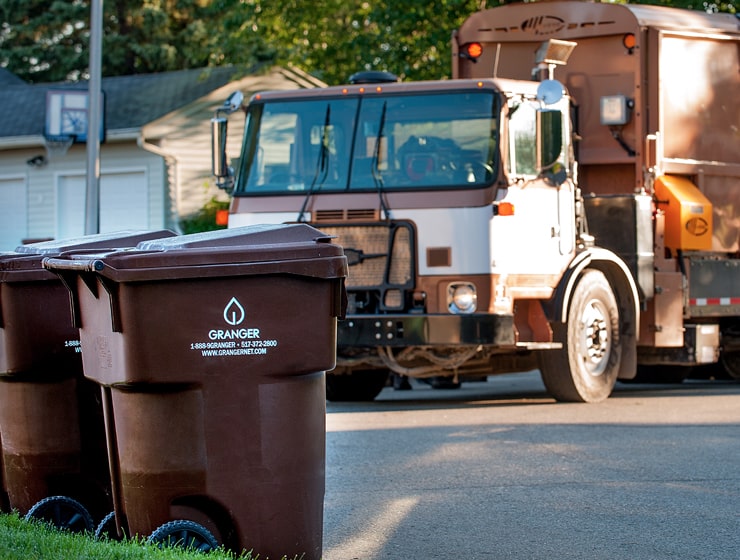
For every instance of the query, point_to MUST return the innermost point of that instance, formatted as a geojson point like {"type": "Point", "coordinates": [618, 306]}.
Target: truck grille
{"type": "Point", "coordinates": [349, 215]}
{"type": "Point", "coordinates": [380, 255]}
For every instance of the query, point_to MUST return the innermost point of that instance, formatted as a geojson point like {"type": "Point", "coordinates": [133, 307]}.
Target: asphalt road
{"type": "Point", "coordinates": [499, 470]}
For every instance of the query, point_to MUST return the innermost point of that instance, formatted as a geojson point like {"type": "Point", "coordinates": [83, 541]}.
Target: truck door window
{"type": "Point", "coordinates": [522, 140]}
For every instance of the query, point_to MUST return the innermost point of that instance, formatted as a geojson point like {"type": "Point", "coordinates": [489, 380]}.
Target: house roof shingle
{"type": "Point", "coordinates": [130, 101]}
{"type": "Point", "coordinates": [8, 78]}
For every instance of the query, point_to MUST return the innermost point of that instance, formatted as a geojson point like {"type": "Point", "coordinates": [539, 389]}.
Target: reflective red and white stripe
{"type": "Point", "coordinates": [701, 302]}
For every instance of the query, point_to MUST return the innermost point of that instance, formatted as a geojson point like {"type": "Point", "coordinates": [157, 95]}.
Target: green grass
{"type": "Point", "coordinates": [22, 540]}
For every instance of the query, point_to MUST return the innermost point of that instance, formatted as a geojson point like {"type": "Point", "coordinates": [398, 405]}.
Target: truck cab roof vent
{"type": "Point", "coordinates": [372, 77]}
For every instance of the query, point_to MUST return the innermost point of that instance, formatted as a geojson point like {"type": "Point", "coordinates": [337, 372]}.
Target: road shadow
{"type": "Point", "coordinates": [499, 390]}
{"type": "Point", "coordinates": [519, 389]}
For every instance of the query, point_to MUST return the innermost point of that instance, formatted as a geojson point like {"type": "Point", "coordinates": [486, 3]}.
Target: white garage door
{"type": "Point", "coordinates": [13, 213]}
{"type": "Point", "coordinates": [124, 203]}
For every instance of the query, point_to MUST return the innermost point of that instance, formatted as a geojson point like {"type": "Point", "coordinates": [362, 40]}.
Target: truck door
{"type": "Point", "coordinates": [538, 237]}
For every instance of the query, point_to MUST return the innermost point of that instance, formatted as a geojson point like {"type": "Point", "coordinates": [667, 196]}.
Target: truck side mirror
{"type": "Point", "coordinates": [219, 129]}
{"type": "Point", "coordinates": [219, 164]}
{"type": "Point", "coordinates": [549, 138]}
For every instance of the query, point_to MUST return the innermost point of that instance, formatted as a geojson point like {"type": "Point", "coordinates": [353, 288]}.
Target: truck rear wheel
{"type": "Point", "coordinates": [731, 364]}
{"type": "Point", "coordinates": [358, 385]}
{"type": "Point", "coordinates": [586, 368]}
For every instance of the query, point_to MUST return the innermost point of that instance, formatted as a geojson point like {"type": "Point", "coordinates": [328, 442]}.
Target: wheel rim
{"type": "Point", "coordinates": [188, 539]}
{"type": "Point", "coordinates": [596, 337]}
{"type": "Point", "coordinates": [63, 513]}
{"type": "Point", "coordinates": [184, 534]}
{"type": "Point", "coordinates": [64, 517]}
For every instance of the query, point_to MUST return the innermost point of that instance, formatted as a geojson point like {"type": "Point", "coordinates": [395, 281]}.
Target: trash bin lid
{"type": "Point", "coordinates": [297, 249]}
{"type": "Point", "coordinates": [254, 235]}
{"type": "Point", "coordinates": [25, 264]}
{"type": "Point", "coordinates": [98, 241]}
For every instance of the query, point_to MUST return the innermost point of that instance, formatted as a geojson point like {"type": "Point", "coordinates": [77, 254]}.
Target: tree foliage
{"type": "Point", "coordinates": [42, 41]}
{"type": "Point", "coordinates": [142, 36]}
{"type": "Point", "coordinates": [410, 38]}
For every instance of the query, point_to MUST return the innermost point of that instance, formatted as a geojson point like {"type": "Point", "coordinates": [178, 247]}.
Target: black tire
{"type": "Point", "coordinates": [107, 530]}
{"type": "Point", "coordinates": [586, 368]}
{"type": "Point", "coordinates": [731, 364]}
{"type": "Point", "coordinates": [63, 513]}
{"type": "Point", "coordinates": [184, 534]}
{"type": "Point", "coordinates": [359, 385]}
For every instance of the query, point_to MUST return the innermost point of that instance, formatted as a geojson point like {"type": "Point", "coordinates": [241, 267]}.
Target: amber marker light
{"type": "Point", "coordinates": [222, 217]}
{"type": "Point", "coordinates": [629, 41]}
{"type": "Point", "coordinates": [504, 209]}
{"type": "Point", "coordinates": [473, 50]}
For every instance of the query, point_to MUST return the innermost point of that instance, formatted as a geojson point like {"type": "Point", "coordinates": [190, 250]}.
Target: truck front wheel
{"type": "Point", "coordinates": [586, 368]}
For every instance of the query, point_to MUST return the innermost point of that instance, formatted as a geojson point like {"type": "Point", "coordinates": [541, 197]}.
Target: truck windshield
{"type": "Point", "coordinates": [394, 142]}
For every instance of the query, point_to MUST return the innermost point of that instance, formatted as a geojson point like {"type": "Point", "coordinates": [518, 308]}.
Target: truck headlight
{"type": "Point", "coordinates": [461, 297]}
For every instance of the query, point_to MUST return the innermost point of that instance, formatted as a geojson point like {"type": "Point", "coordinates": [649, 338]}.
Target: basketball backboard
{"type": "Point", "coordinates": [66, 115]}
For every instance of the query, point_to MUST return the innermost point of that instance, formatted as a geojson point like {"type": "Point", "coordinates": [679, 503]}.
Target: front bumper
{"type": "Point", "coordinates": [425, 330]}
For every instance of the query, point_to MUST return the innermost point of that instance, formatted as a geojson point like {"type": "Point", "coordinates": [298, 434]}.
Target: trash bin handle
{"type": "Point", "coordinates": [68, 270]}
{"type": "Point", "coordinates": [87, 273]}
{"type": "Point", "coordinates": [67, 280]}
{"type": "Point", "coordinates": [77, 265]}
{"type": "Point", "coordinates": [340, 303]}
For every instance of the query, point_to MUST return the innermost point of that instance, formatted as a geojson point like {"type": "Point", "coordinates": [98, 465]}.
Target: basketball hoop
{"type": "Point", "coordinates": [57, 146]}
{"type": "Point", "coordinates": [67, 120]}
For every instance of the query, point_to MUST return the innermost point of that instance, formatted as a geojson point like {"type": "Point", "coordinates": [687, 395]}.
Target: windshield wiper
{"type": "Point", "coordinates": [322, 165]}
{"type": "Point", "coordinates": [375, 170]}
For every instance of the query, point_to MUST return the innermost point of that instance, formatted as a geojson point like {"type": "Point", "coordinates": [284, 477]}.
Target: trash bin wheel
{"type": "Point", "coordinates": [184, 534]}
{"type": "Point", "coordinates": [107, 529]}
{"type": "Point", "coordinates": [62, 512]}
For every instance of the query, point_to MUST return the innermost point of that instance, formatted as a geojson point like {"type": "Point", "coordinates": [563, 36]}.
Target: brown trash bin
{"type": "Point", "coordinates": [212, 350]}
{"type": "Point", "coordinates": [4, 501]}
{"type": "Point", "coordinates": [54, 454]}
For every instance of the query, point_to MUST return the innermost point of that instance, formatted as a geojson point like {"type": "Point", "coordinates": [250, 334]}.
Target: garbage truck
{"type": "Point", "coordinates": [568, 201]}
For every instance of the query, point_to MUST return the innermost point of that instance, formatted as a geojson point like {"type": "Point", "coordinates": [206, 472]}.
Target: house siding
{"type": "Point", "coordinates": [42, 183]}
{"type": "Point", "coordinates": [13, 209]}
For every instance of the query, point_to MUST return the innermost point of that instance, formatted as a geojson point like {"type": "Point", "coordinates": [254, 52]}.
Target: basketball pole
{"type": "Point", "coordinates": [92, 194]}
